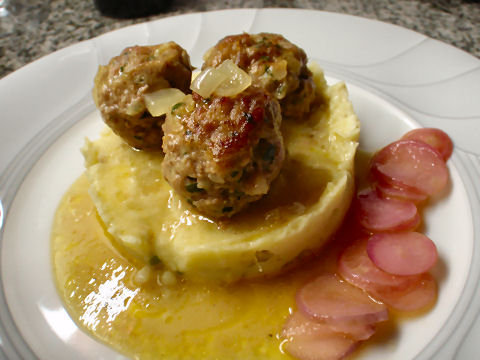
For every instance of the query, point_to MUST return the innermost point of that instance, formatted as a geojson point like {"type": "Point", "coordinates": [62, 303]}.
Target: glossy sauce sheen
{"type": "Point", "coordinates": [155, 321]}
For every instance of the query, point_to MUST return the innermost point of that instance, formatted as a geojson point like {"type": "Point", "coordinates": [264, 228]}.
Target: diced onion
{"type": "Point", "coordinates": [225, 80]}
{"type": "Point", "coordinates": [207, 81]}
{"type": "Point", "coordinates": [161, 101]}
{"type": "Point", "coordinates": [279, 70]}
{"type": "Point", "coordinates": [237, 80]}
{"type": "Point", "coordinates": [142, 275]}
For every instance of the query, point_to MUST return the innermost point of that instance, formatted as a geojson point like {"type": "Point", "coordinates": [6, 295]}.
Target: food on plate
{"type": "Point", "coordinates": [404, 253]}
{"type": "Point", "coordinates": [217, 246]}
{"type": "Point", "coordinates": [436, 138]}
{"type": "Point", "coordinates": [222, 153]}
{"type": "Point", "coordinates": [275, 64]}
{"type": "Point", "coordinates": [329, 300]}
{"type": "Point", "coordinates": [398, 164]}
{"type": "Point", "coordinates": [304, 206]}
{"type": "Point", "coordinates": [310, 339]}
{"type": "Point", "coordinates": [121, 86]}
{"type": "Point", "coordinates": [377, 213]}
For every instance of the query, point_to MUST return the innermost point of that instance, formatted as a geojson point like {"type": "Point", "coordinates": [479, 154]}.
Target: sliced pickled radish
{"type": "Point", "coordinates": [330, 299]}
{"type": "Point", "coordinates": [406, 253]}
{"type": "Point", "coordinates": [380, 214]}
{"type": "Point", "coordinates": [411, 164]}
{"type": "Point", "coordinates": [356, 330]}
{"type": "Point", "coordinates": [310, 340]}
{"type": "Point", "coordinates": [389, 191]}
{"type": "Point", "coordinates": [436, 138]}
{"type": "Point", "coordinates": [355, 266]}
{"type": "Point", "coordinates": [419, 293]}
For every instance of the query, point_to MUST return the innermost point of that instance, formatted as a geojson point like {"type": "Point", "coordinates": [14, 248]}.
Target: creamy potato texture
{"type": "Point", "coordinates": [305, 205]}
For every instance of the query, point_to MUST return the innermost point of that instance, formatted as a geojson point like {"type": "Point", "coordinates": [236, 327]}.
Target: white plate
{"type": "Point", "coordinates": [398, 80]}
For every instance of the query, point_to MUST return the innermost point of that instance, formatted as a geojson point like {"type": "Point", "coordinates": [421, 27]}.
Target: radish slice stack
{"type": "Point", "coordinates": [332, 317]}
{"type": "Point", "coordinates": [311, 340]}
{"type": "Point", "coordinates": [388, 266]}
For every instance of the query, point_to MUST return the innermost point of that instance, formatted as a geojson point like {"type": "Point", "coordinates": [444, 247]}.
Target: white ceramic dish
{"type": "Point", "coordinates": [398, 80]}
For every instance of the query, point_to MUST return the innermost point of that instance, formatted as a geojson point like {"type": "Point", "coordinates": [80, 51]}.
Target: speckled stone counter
{"type": "Point", "coordinates": [37, 30]}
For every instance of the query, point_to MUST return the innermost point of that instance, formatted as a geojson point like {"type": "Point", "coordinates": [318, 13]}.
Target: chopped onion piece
{"type": "Point", "coordinates": [207, 81]}
{"type": "Point", "coordinates": [161, 101]}
{"type": "Point", "coordinates": [237, 79]}
{"type": "Point", "coordinates": [225, 80]}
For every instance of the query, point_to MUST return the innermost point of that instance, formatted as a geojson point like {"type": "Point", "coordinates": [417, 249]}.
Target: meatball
{"type": "Point", "coordinates": [275, 64]}
{"type": "Point", "coordinates": [120, 85]}
{"type": "Point", "coordinates": [222, 153]}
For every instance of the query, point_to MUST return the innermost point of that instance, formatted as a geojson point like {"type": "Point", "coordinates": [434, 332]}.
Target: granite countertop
{"type": "Point", "coordinates": [43, 26]}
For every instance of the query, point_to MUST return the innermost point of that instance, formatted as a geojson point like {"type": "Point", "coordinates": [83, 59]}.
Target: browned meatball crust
{"type": "Point", "coordinates": [275, 64]}
{"type": "Point", "coordinates": [119, 88]}
{"type": "Point", "coordinates": [222, 153]}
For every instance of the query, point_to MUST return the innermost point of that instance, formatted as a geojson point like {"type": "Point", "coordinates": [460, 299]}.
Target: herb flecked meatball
{"type": "Point", "coordinates": [275, 64]}
{"type": "Point", "coordinates": [119, 88]}
{"type": "Point", "coordinates": [222, 153]}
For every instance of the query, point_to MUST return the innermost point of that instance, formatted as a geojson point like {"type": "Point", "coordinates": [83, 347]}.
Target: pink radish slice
{"type": "Point", "coordinates": [329, 299]}
{"type": "Point", "coordinates": [356, 330]}
{"type": "Point", "coordinates": [355, 266]}
{"type": "Point", "coordinates": [309, 340]}
{"type": "Point", "coordinates": [407, 253]}
{"type": "Point", "coordinates": [389, 191]}
{"type": "Point", "coordinates": [380, 214]}
{"type": "Point", "coordinates": [411, 164]}
{"type": "Point", "coordinates": [419, 293]}
{"type": "Point", "coordinates": [436, 138]}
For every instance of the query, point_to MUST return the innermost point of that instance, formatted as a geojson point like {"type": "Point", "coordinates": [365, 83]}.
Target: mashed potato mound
{"type": "Point", "coordinates": [305, 206]}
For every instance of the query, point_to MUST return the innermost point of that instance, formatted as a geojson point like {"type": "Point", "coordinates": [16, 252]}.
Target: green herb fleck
{"type": "Point", "coordinates": [238, 194]}
{"type": "Point", "coordinates": [234, 173]}
{"type": "Point", "coordinates": [227, 209]}
{"type": "Point", "coordinates": [176, 106]}
{"type": "Point", "coordinates": [266, 151]}
{"type": "Point", "coordinates": [248, 117]}
{"type": "Point", "coordinates": [154, 260]}
{"type": "Point", "coordinates": [269, 154]}
{"type": "Point", "coordinates": [193, 188]}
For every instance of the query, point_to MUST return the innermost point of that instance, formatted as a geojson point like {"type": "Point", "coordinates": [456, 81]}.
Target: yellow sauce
{"type": "Point", "coordinates": [181, 320]}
